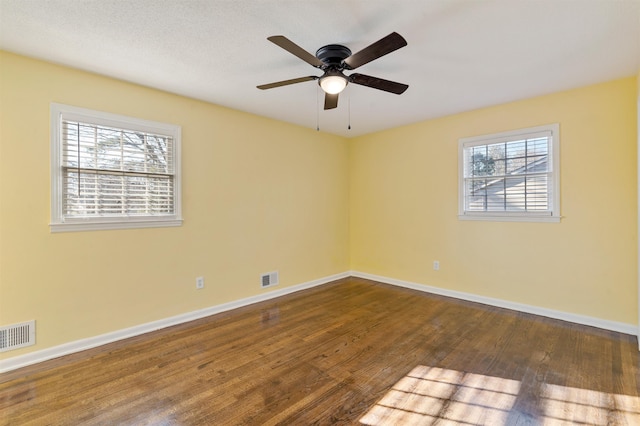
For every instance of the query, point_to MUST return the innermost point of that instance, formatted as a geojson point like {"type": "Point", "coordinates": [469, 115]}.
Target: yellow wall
{"type": "Point", "coordinates": [258, 195]}
{"type": "Point", "coordinates": [403, 211]}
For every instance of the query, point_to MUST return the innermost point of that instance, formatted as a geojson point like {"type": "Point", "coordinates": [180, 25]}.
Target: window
{"type": "Point", "coordinates": [511, 176]}
{"type": "Point", "coordinates": [112, 172]}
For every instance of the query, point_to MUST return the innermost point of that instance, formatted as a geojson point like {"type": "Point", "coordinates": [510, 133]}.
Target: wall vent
{"type": "Point", "coordinates": [17, 335]}
{"type": "Point", "coordinates": [269, 279]}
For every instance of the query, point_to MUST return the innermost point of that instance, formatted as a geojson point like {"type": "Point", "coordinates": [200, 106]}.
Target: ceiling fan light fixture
{"type": "Point", "coordinates": [333, 83]}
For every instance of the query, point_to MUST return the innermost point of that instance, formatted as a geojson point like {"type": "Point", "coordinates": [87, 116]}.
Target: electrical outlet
{"type": "Point", "coordinates": [200, 282]}
{"type": "Point", "coordinates": [436, 265]}
{"type": "Point", "coordinates": [269, 279]}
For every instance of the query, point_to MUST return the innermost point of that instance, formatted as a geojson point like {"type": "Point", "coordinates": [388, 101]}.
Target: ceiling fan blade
{"type": "Point", "coordinates": [296, 50]}
{"type": "Point", "coordinates": [388, 44]}
{"type": "Point", "coordinates": [286, 82]}
{"type": "Point", "coordinates": [330, 101]}
{"type": "Point", "coordinates": [378, 83]}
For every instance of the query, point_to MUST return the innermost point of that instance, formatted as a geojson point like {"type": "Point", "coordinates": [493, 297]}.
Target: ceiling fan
{"type": "Point", "coordinates": [333, 59]}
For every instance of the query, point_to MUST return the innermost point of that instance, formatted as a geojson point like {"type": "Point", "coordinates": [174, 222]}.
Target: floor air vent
{"type": "Point", "coordinates": [17, 335]}
{"type": "Point", "coordinates": [269, 279]}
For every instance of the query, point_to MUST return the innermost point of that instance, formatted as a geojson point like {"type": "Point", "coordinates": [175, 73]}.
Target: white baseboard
{"type": "Point", "coordinates": [92, 342]}
{"type": "Point", "coordinates": [550, 313]}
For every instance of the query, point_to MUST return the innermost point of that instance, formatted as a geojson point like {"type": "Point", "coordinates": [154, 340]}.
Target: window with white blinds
{"type": "Point", "coordinates": [111, 172]}
{"type": "Point", "coordinates": [510, 176]}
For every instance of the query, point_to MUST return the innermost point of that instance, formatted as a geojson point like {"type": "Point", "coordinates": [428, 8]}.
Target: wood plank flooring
{"type": "Point", "coordinates": [350, 352]}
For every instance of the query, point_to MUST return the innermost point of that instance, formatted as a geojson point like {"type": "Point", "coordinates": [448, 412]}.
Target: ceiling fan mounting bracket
{"type": "Point", "coordinates": [333, 54]}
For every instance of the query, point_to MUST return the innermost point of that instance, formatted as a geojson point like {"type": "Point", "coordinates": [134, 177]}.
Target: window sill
{"type": "Point", "coordinates": [77, 226]}
{"type": "Point", "coordinates": [510, 218]}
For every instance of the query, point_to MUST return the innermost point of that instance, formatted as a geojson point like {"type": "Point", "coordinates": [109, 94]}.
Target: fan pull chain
{"type": "Point", "coordinates": [349, 114]}
{"type": "Point", "coordinates": [317, 109]}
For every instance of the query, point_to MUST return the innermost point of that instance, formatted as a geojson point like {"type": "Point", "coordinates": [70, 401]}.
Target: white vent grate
{"type": "Point", "coordinates": [269, 279]}
{"type": "Point", "coordinates": [17, 335]}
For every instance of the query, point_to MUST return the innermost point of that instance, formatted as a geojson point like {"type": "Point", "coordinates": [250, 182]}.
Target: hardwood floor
{"type": "Point", "coordinates": [349, 352]}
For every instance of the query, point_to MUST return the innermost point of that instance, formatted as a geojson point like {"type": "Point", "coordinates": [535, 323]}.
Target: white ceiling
{"type": "Point", "coordinates": [461, 54]}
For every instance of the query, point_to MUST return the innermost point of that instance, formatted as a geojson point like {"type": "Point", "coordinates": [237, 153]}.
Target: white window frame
{"type": "Point", "coordinates": [62, 223]}
{"type": "Point", "coordinates": [550, 215]}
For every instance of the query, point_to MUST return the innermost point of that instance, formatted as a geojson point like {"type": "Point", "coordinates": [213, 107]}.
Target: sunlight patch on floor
{"type": "Point", "coordinates": [428, 394]}
{"type": "Point", "coordinates": [431, 395]}
{"type": "Point", "coordinates": [564, 404]}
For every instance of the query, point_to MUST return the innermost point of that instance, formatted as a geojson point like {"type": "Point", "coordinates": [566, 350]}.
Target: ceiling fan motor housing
{"type": "Point", "coordinates": [332, 55]}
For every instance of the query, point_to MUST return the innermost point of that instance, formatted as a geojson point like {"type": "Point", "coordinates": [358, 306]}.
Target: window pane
{"type": "Point", "coordinates": [497, 151]}
{"type": "Point", "coordinates": [515, 166]}
{"type": "Point", "coordinates": [514, 193]}
{"type": "Point", "coordinates": [537, 193]}
{"type": "Point", "coordinates": [476, 195]}
{"type": "Point", "coordinates": [537, 147]}
{"type": "Point", "coordinates": [111, 172]}
{"type": "Point", "coordinates": [100, 194]}
{"type": "Point", "coordinates": [509, 176]}
{"type": "Point", "coordinates": [537, 163]}
{"type": "Point", "coordinates": [516, 149]}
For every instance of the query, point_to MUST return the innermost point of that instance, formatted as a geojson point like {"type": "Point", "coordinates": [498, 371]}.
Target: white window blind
{"type": "Point", "coordinates": [511, 175]}
{"type": "Point", "coordinates": [113, 170]}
